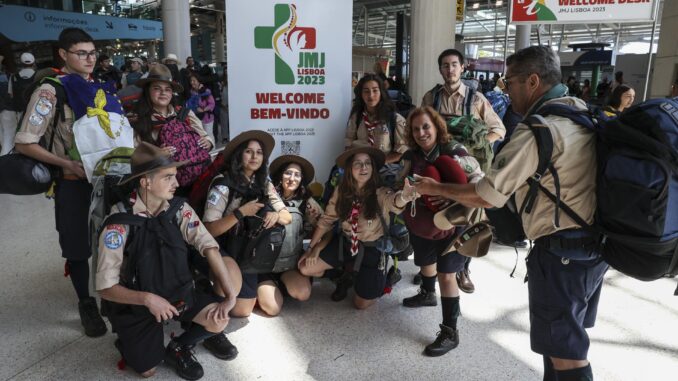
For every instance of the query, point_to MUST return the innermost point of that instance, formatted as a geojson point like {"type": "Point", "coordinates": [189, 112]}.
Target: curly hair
{"type": "Point", "coordinates": [442, 136]}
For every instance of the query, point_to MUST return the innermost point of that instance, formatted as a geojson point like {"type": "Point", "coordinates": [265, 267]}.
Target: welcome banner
{"type": "Point", "coordinates": [289, 73]}
{"type": "Point", "coordinates": [581, 11]}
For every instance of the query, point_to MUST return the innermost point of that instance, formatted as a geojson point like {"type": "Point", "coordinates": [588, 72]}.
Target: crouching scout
{"type": "Point", "coordinates": [143, 271]}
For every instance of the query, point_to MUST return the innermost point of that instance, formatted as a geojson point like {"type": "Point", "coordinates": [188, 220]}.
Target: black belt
{"type": "Point", "coordinates": [556, 242]}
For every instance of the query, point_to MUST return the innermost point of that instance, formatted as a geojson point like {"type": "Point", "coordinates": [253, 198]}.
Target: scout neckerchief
{"type": "Point", "coordinates": [355, 214]}
{"type": "Point", "coordinates": [370, 126]}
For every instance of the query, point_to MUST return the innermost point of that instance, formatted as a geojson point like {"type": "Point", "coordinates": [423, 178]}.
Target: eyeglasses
{"type": "Point", "coordinates": [292, 174]}
{"type": "Point", "coordinates": [503, 82]}
{"type": "Point", "coordinates": [83, 55]}
{"type": "Point", "coordinates": [361, 164]}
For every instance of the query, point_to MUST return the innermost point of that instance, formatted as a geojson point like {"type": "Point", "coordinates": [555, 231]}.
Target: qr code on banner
{"type": "Point", "coordinates": [291, 147]}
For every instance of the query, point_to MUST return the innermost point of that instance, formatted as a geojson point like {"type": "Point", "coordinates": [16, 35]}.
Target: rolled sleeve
{"type": "Point", "coordinates": [111, 252]}
{"type": "Point", "coordinates": [399, 144]}
{"type": "Point", "coordinates": [489, 194]}
{"type": "Point", "coordinates": [274, 199]}
{"type": "Point", "coordinates": [328, 218]}
{"type": "Point", "coordinates": [215, 205]}
{"type": "Point", "coordinates": [35, 123]}
{"type": "Point", "coordinates": [194, 232]}
{"type": "Point", "coordinates": [491, 119]}
{"type": "Point", "coordinates": [197, 125]}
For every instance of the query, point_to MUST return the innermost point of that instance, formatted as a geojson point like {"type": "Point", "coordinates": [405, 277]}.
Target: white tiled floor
{"type": "Point", "coordinates": [635, 338]}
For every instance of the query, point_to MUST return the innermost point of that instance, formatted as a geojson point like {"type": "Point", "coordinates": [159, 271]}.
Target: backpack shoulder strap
{"type": "Point", "coordinates": [182, 115]}
{"type": "Point", "coordinates": [436, 96]}
{"type": "Point", "coordinates": [583, 118]}
{"type": "Point", "coordinates": [544, 139]}
{"type": "Point", "coordinates": [176, 204]}
{"type": "Point", "coordinates": [392, 122]}
{"type": "Point", "coordinates": [470, 94]}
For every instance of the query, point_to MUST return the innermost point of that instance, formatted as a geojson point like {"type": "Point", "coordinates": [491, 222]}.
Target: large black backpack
{"type": "Point", "coordinates": [156, 256]}
{"type": "Point", "coordinates": [637, 185]}
{"type": "Point", "coordinates": [254, 248]}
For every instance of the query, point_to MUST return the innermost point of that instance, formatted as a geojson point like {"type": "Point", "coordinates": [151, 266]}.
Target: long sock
{"type": "Point", "coordinates": [577, 374]}
{"type": "Point", "coordinates": [428, 283]}
{"type": "Point", "coordinates": [194, 335]}
{"type": "Point", "coordinates": [450, 311]}
{"type": "Point", "coordinates": [549, 371]}
{"type": "Point", "coordinates": [79, 273]}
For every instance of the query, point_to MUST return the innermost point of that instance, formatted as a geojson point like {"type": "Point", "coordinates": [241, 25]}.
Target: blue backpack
{"type": "Point", "coordinates": [637, 185]}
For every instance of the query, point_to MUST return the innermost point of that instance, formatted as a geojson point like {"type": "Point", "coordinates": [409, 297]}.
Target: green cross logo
{"type": "Point", "coordinates": [284, 37]}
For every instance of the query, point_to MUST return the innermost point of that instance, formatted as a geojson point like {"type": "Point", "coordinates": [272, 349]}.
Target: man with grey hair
{"type": "Point", "coordinates": [565, 271]}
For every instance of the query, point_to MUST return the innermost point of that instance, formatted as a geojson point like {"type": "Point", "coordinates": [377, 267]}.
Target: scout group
{"type": "Point", "coordinates": [161, 258]}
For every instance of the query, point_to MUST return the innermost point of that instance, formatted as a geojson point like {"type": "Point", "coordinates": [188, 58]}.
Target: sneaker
{"type": "Point", "coordinates": [343, 285]}
{"type": "Point", "coordinates": [447, 340]}
{"type": "Point", "coordinates": [464, 282]}
{"type": "Point", "coordinates": [90, 319]}
{"type": "Point", "coordinates": [417, 279]}
{"type": "Point", "coordinates": [394, 276]}
{"type": "Point", "coordinates": [221, 347]}
{"type": "Point", "coordinates": [182, 360]}
{"type": "Point", "coordinates": [422, 299]}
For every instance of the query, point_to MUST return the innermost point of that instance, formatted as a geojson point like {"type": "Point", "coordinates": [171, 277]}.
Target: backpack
{"type": "Point", "coordinates": [499, 102]}
{"type": "Point", "coordinates": [254, 248]}
{"type": "Point", "coordinates": [155, 256]}
{"type": "Point", "coordinates": [469, 131]}
{"type": "Point", "coordinates": [637, 185]}
{"type": "Point", "coordinates": [294, 236]}
{"type": "Point", "coordinates": [178, 133]}
{"type": "Point", "coordinates": [23, 175]}
{"type": "Point", "coordinates": [106, 192]}
{"type": "Point", "coordinates": [20, 88]}
{"type": "Point", "coordinates": [202, 185]}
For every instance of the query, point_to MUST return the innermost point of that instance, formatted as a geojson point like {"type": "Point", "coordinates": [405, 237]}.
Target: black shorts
{"type": "Point", "coordinates": [142, 337]}
{"type": "Point", "coordinates": [428, 252]}
{"type": "Point", "coordinates": [71, 212]}
{"type": "Point", "coordinates": [563, 296]}
{"type": "Point", "coordinates": [370, 280]}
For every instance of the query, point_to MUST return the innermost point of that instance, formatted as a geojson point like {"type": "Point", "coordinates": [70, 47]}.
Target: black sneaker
{"type": "Point", "coordinates": [394, 276]}
{"type": "Point", "coordinates": [221, 347]}
{"type": "Point", "coordinates": [447, 340]}
{"type": "Point", "coordinates": [343, 285]}
{"type": "Point", "coordinates": [417, 279]}
{"type": "Point", "coordinates": [90, 319]}
{"type": "Point", "coordinates": [182, 360]}
{"type": "Point", "coordinates": [422, 299]}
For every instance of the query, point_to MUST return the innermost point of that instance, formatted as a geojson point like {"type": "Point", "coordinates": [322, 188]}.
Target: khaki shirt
{"type": "Point", "coordinates": [574, 157]}
{"type": "Point", "coordinates": [368, 230]}
{"type": "Point", "coordinates": [38, 122]}
{"type": "Point", "coordinates": [453, 104]}
{"type": "Point", "coordinates": [113, 237]}
{"type": "Point", "coordinates": [217, 198]}
{"type": "Point", "coordinates": [357, 133]}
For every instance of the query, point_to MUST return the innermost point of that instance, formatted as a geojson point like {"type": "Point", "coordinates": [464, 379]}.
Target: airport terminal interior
{"type": "Point", "coordinates": [634, 338]}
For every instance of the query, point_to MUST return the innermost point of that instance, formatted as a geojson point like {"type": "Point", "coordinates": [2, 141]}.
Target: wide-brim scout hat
{"type": "Point", "coordinates": [377, 155]}
{"type": "Point", "coordinates": [473, 242]}
{"type": "Point", "coordinates": [279, 164]}
{"type": "Point", "coordinates": [455, 214]}
{"type": "Point", "coordinates": [160, 73]}
{"type": "Point", "coordinates": [171, 57]}
{"type": "Point", "coordinates": [263, 137]}
{"type": "Point", "coordinates": [148, 158]}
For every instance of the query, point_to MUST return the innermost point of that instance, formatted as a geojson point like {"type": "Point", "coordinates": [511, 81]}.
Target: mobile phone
{"type": "Point", "coordinates": [412, 179]}
{"type": "Point", "coordinates": [180, 306]}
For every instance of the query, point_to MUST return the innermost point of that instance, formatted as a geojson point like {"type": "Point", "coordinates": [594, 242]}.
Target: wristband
{"type": "Point", "coordinates": [238, 214]}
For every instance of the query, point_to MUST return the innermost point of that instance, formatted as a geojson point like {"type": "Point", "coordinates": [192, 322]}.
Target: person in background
{"type": "Point", "coordinates": [201, 102]}
{"type": "Point", "coordinates": [622, 97]}
{"type": "Point", "coordinates": [134, 73]}
{"type": "Point", "coordinates": [106, 71]}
